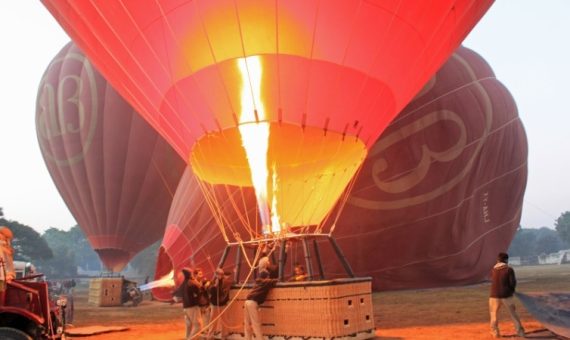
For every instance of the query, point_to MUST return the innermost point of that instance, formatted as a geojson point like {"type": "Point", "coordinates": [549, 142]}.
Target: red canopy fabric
{"type": "Point", "coordinates": [438, 197]}
{"type": "Point", "coordinates": [337, 61]}
{"type": "Point", "coordinates": [324, 78]}
{"type": "Point", "coordinates": [114, 172]}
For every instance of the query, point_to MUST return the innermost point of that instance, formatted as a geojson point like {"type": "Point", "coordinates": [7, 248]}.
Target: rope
{"type": "Point", "coordinates": [258, 252]}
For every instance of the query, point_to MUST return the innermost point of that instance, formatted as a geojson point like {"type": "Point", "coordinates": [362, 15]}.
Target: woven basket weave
{"type": "Point", "coordinates": [105, 291]}
{"type": "Point", "coordinates": [315, 309]}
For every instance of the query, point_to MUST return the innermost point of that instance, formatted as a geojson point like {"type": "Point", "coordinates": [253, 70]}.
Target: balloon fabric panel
{"type": "Point", "coordinates": [441, 221]}
{"type": "Point", "coordinates": [148, 50]}
{"type": "Point", "coordinates": [115, 173]}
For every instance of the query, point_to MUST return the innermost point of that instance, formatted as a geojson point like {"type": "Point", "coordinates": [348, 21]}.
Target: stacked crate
{"type": "Point", "coordinates": [105, 291]}
{"type": "Point", "coordinates": [313, 309]}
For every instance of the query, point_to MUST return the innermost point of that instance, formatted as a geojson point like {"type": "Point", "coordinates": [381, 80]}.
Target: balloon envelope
{"type": "Point", "coordinates": [438, 197]}
{"type": "Point", "coordinates": [191, 237]}
{"type": "Point", "coordinates": [114, 172]}
{"type": "Point", "coordinates": [316, 81]}
{"type": "Point", "coordinates": [441, 192]}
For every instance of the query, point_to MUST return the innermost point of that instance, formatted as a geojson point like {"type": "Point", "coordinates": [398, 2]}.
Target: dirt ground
{"type": "Point", "coordinates": [442, 314]}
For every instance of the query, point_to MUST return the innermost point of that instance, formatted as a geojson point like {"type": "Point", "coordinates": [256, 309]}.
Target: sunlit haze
{"type": "Point", "coordinates": [523, 41]}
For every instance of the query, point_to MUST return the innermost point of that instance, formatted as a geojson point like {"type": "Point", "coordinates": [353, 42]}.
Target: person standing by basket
{"type": "Point", "coordinates": [203, 299]}
{"type": "Point", "coordinates": [503, 284]}
{"type": "Point", "coordinates": [189, 291]}
{"type": "Point", "coordinates": [219, 296]}
{"type": "Point", "coordinates": [255, 298]}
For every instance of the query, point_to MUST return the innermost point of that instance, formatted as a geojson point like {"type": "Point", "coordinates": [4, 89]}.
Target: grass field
{"type": "Point", "coordinates": [442, 314]}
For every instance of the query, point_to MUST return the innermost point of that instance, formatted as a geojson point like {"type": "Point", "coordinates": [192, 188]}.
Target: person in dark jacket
{"type": "Point", "coordinates": [503, 284]}
{"type": "Point", "coordinates": [255, 298]}
{"type": "Point", "coordinates": [189, 290]}
{"type": "Point", "coordinates": [203, 298]}
{"type": "Point", "coordinates": [219, 292]}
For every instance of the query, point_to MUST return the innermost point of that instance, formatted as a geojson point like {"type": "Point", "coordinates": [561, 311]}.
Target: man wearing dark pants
{"type": "Point", "coordinates": [189, 291]}
{"type": "Point", "coordinates": [503, 284]}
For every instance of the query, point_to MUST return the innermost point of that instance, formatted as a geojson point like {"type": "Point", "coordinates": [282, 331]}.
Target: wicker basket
{"type": "Point", "coordinates": [315, 309]}
{"type": "Point", "coordinates": [105, 291]}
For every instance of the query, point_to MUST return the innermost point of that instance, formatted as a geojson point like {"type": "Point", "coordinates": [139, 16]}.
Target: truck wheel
{"type": "Point", "coordinates": [9, 333]}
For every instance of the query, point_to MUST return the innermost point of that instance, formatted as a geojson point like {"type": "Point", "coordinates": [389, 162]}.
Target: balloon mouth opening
{"type": "Point", "coordinates": [163, 267]}
{"type": "Point", "coordinates": [307, 169]}
{"type": "Point", "coordinates": [296, 152]}
{"type": "Point", "coordinates": [113, 259]}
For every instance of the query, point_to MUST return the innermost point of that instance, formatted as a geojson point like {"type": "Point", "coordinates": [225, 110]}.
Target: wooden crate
{"type": "Point", "coordinates": [105, 291]}
{"type": "Point", "coordinates": [315, 309]}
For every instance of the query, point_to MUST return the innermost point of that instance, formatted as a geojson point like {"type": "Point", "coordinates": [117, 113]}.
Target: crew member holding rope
{"type": "Point", "coordinates": [255, 298]}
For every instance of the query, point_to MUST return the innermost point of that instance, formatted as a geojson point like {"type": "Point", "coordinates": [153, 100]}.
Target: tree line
{"type": "Point", "coordinates": [57, 253]}
{"type": "Point", "coordinates": [535, 242]}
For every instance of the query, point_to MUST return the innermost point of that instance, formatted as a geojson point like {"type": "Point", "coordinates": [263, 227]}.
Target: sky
{"type": "Point", "coordinates": [524, 41]}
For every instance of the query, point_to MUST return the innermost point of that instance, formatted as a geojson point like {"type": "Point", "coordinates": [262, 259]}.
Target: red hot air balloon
{"type": "Point", "coordinates": [114, 172]}
{"type": "Point", "coordinates": [280, 98]}
{"type": "Point", "coordinates": [439, 195]}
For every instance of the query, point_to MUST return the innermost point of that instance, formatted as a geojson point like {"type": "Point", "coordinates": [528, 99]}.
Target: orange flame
{"type": "Point", "coordinates": [255, 139]}
{"type": "Point", "coordinates": [275, 220]}
{"type": "Point", "coordinates": [165, 281]}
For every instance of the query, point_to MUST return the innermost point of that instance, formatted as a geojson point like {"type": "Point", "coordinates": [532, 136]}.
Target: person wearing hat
{"type": "Point", "coordinates": [503, 284]}
{"type": "Point", "coordinates": [7, 273]}
{"type": "Point", "coordinates": [255, 298]}
{"type": "Point", "coordinates": [219, 292]}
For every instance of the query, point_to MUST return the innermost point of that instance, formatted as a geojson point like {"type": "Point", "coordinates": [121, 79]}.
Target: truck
{"type": "Point", "coordinates": [27, 311]}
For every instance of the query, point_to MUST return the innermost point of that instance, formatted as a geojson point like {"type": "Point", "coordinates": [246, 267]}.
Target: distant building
{"type": "Point", "coordinates": [560, 257]}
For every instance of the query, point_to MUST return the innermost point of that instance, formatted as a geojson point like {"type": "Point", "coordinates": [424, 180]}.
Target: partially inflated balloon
{"type": "Point", "coordinates": [191, 237]}
{"type": "Point", "coordinates": [280, 97]}
{"type": "Point", "coordinates": [441, 192]}
{"type": "Point", "coordinates": [439, 195]}
{"type": "Point", "coordinates": [114, 172]}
